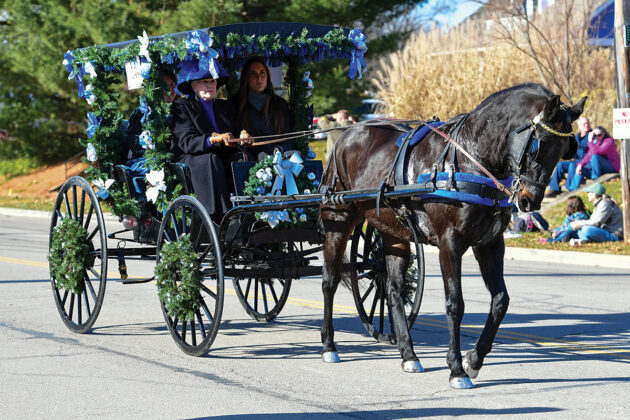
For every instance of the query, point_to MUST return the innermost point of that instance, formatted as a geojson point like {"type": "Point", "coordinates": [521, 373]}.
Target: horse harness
{"type": "Point", "coordinates": [451, 184]}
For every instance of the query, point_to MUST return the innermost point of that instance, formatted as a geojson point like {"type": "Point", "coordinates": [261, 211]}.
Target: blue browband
{"type": "Point", "coordinates": [463, 196]}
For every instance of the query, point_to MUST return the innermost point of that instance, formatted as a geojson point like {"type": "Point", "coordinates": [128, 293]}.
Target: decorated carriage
{"type": "Point", "coordinates": [272, 235]}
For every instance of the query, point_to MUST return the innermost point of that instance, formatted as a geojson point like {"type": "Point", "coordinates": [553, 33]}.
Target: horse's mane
{"type": "Point", "coordinates": [533, 89]}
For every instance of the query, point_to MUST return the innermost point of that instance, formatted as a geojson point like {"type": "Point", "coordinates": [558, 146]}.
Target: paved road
{"type": "Point", "coordinates": [563, 351]}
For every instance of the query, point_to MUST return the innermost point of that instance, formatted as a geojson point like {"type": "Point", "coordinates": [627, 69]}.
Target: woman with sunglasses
{"type": "Point", "coordinates": [601, 158]}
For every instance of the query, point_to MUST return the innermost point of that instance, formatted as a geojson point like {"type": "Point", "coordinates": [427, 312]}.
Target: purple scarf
{"type": "Point", "coordinates": [208, 107]}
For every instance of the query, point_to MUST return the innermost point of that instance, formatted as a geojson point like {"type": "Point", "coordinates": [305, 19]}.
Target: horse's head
{"type": "Point", "coordinates": [536, 148]}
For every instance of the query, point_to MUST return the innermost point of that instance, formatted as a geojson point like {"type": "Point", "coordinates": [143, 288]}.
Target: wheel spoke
{"type": "Point", "coordinates": [264, 292]}
{"type": "Point", "coordinates": [94, 272]}
{"type": "Point", "coordinates": [202, 328]}
{"type": "Point", "coordinates": [184, 226]}
{"type": "Point", "coordinates": [65, 296]}
{"type": "Point", "coordinates": [366, 274]}
{"type": "Point", "coordinates": [373, 309]}
{"type": "Point", "coordinates": [82, 207]}
{"type": "Point", "coordinates": [74, 202]}
{"type": "Point", "coordinates": [89, 216]}
{"type": "Point", "coordinates": [249, 283]}
{"type": "Point", "coordinates": [208, 291]}
{"type": "Point", "coordinates": [58, 213]}
{"type": "Point", "coordinates": [273, 292]}
{"type": "Point", "coordinates": [167, 236]}
{"type": "Point", "coordinates": [256, 295]}
{"type": "Point", "coordinates": [79, 308]}
{"type": "Point", "coordinates": [184, 324]}
{"type": "Point", "coordinates": [87, 302]}
{"type": "Point", "coordinates": [65, 198]}
{"type": "Point", "coordinates": [175, 227]}
{"type": "Point", "coordinates": [367, 292]}
{"type": "Point", "coordinates": [207, 311]}
{"type": "Point", "coordinates": [174, 323]}
{"type": "Point", "coordinates": [204, 253]}
{"type": "Point", "coordinates": [96, 229]}
{"type": "Point", "coordinates": [71, 306]}
{"type": "Point", "coordinates": [193, 334]}
{"type": "Point", "coordinates": [200, 230]}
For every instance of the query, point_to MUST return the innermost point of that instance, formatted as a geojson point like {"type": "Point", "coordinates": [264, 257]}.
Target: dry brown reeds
{"type": "Point", "coordinates": [443, 74]}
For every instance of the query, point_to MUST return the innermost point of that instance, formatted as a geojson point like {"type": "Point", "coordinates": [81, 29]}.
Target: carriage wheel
{"type": "Point", "coordinates": [369, 285]}
{"type": "Point", "coordinates": [262, 298]}
{"type": "Point", "coordinates": [186, 216]}
{"type": "Point", "coordinates": [80, 307]}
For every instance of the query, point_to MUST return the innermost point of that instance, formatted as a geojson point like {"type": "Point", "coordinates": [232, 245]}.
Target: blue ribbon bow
{"type": "Point", "coordinates": [94, 124]}
{"type": "Point", "coordinates": [145, 109]}
{"type": "Point", "coordinates": [357, 61]}
{"type": "Point", "coordinates": [286, 169]}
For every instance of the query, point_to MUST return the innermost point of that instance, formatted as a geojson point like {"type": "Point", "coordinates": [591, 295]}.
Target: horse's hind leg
{"type": "Point", "coordinates": [338, 225]}
{"type": "Point", "coordinates": [451, 266]}
{"type": "Point", "coordinates": [397, 255]}
{"type": "Point", "coordinates": [490, 259]}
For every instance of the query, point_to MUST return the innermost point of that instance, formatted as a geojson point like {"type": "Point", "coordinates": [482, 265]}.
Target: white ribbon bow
{"type": "Point", "coordinates": [286, 169]}
{"type": "Point", "coordinates": [144, 46]}
{"type": "Point", "coordinates": [90, 150]}
{"type": "Point", "coordinates": [156, 179]}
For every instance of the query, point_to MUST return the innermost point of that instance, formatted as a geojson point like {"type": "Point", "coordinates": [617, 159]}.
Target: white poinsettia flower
{"type": "Point", "coordinates": [89, 69]}
{"type": "Point", "coordinates": [90, 150]}
{"type": "Point", "coordinates": [156, 179]}
{"type": "Point", "coordinates": [260, 173]}
{"type": "Point", "coordinates": [103, 183]}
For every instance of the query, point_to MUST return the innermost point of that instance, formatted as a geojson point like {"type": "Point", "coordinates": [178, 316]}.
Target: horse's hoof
{"type": "Point", "coordinates": [472, 373]}
{"type": "Point", "coordinates": [461, 383]}
{"type": "Point", "coordinates": [412, 366]}
{"type": "Point", "coordinates": [330, 357]}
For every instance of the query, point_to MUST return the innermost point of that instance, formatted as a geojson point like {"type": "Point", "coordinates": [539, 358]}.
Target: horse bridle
{"type": "Point", "coordinates": [532, 142]}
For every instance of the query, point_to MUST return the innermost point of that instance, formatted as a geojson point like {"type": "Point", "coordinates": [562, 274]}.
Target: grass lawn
{"type": "Point", "coordinates": [555, 215]}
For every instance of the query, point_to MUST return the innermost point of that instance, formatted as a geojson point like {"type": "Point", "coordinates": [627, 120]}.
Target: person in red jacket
{"type": "Point", "coordinates": [601, 158]}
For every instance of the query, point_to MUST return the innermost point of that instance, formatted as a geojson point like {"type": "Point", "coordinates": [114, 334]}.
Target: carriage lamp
{"type": "Point", "coordinates": [129, 222]}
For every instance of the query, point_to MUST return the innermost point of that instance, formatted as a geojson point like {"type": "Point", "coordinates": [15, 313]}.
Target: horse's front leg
{"type": "Point", "coordinates": [338, 227]}
{"type": "Point", "coordinates": [490, 259]}
{"type": "Point", "coordinates": [397, 255]}
{"type": "Point", "coordinates": [451, 265]}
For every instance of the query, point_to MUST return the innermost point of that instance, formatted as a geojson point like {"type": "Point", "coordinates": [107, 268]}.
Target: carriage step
{"type": "Point", "coordinates": [138, 281]}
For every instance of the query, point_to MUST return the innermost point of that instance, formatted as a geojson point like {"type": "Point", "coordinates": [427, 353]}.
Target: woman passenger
{"type": "Point", "coordinates": [201, 126]}
{"type": "Point", "coordinates": [260, 111]}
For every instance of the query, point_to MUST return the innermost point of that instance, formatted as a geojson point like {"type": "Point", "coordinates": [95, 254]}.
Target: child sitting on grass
{"type": "Point", "coordinates": [564, 232]}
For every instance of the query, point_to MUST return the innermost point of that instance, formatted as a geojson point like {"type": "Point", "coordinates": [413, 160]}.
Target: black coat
{"type": "Point", "coordinates": [211, 170]}
{"type": "Point", "coordinates": [259, 126]}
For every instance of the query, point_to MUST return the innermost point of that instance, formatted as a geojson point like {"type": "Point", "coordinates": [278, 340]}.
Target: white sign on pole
{"type": "Point", "coordinates": [621, 123]}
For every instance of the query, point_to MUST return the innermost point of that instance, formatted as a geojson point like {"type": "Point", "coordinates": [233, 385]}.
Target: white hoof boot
{"type": "Point", "coordinates": [472, 373]}
{"type": "Point", "coordinates": [330, 357]}
{"type": "Point", "coordinates": [412, 366]}
{"type": "Point", "coordinates": [461, 383]}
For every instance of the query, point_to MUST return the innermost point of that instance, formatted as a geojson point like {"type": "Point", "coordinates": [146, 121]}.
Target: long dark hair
{"type": "Point", "coordinates": [272, 102]}
{"type": "Point", "coordinates": [603, 131]}
{"type": "Point", "coordinates": [575, 204]}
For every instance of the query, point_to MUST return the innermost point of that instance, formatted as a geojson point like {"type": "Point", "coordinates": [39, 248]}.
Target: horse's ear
{"type": "Point", "coordinates": [576, 110]}
{"type": "Point", "coordinates": [551, 108]}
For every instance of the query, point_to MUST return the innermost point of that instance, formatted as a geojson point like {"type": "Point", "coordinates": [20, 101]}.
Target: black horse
{"type": "Point", "coordinates": [520, 132]}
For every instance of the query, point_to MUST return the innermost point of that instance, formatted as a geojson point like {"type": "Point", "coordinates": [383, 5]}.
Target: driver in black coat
{"type": "Point", "coordinates": [201, 126]}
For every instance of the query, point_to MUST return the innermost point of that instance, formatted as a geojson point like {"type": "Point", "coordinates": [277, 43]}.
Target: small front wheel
{"type": "Point", "coordinates": [192, 313]}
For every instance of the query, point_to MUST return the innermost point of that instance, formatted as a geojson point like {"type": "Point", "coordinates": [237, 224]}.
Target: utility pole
{"type": "Point", "coordinates": [622, 64]}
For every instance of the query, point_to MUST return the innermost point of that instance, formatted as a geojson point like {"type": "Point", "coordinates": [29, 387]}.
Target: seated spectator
{"type": "Point", "coordinates": [202, 126]}
{"type": "Point", "coordinates": [601, 158]}
{"type": "Point", "coordinates": [327, 122]}
{"type": "Point", "coordinates": [606, 222]}
{"type": "Point", "coordinates": [564, 232]}
{"type": "Point", "coordinates": [567, 167]}
{"type": "Point", "coordinates": [260, 111]}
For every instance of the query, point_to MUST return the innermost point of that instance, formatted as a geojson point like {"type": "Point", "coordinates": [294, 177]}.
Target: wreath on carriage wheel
{"type": "Point", "coordinates": [179, 277]}
{"type": "Point", "coordinates": [69, 255]}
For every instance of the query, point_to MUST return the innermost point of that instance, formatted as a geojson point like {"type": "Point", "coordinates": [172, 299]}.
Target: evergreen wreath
{"type": "Point", "coordinates": [69, 255]}
{"type": "Point", "coordinates": [179, 278]}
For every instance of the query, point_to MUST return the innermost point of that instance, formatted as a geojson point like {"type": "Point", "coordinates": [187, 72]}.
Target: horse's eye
{"type": "Point", "coordinates": [534, 149]}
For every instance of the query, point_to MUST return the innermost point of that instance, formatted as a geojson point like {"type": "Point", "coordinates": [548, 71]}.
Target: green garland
{"type": "Point", "coordinates": [109, 65]}
{"type": "Point", "coordinates": [179, 278]}
{"type": "Point", "coordinates": [69, 255]}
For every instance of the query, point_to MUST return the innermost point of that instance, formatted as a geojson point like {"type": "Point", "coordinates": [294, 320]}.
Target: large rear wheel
{"type": "Point", "coordinates": [78, 273]}
{"type": "Point", "coordinates": [187, 217]}
{"type": "Point", "coordinates": [369, 285]}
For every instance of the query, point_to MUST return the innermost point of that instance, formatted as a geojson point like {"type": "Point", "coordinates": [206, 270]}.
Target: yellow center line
{"type": "Point", "coordinates": [503, 333]}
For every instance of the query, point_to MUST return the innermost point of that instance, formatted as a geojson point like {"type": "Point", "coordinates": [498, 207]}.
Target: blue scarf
{"type": "Point", "coordinates": [208, 107]}
{"type": "Point", "coordinates": [257, 100]}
